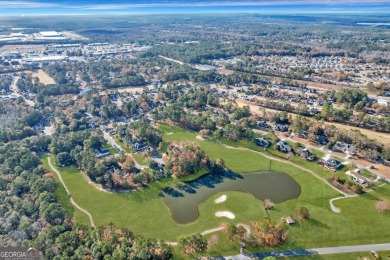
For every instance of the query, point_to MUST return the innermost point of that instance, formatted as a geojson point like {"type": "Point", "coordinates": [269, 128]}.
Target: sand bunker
{"type": "Point", "coordinates": [221, 199]}
{"type": "Point", "coordinates": [226, 214]}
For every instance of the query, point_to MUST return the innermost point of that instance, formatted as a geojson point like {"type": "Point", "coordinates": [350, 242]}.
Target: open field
{"type": "Point", "coordinates": [145, 213]}
{"type": "Point", "coordinates": [43, 77]}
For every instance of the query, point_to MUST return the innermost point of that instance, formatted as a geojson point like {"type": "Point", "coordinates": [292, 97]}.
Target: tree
{"type": "Point", "coordinates": [268, 204]}
{"type": "Point", "coordinates": [268, 233]}
{"type": "Point", "coordinates": [64, 159]}
{"type": "Point", "coordinates": [129, 163]}
{"type": "Point", "coordinates": [303, 213]}
{"type": "Point", "coordinates": [184, 158]}
{"type": "Point", "coordinates": [231, 230]}
{"type": "Point", "coordinates": [193, 244]}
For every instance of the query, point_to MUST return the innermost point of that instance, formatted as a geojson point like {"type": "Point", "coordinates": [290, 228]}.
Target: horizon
{"type": "Point", "coordinates": [141, 7]}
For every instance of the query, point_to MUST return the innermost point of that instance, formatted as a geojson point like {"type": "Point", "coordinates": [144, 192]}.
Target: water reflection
{"type": "Point", "coordinates": [183, 199]}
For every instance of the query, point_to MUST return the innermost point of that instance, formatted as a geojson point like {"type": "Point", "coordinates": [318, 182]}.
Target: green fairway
{"type": "Point", "coordinates": [145, 213]}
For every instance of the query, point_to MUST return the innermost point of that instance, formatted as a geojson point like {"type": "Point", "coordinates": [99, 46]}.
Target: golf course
{"type": "Point", "coordinates": [145, 212]}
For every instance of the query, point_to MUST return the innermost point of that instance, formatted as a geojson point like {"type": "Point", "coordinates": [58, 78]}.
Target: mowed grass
{"type": "Point", "coordinates": [345, 256]}
{"type": "Point", "coordinates": [145, 213]}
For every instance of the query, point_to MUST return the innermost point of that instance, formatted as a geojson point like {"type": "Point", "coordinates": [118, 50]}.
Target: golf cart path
{"type": "Point", "coordinates": [68, 193]}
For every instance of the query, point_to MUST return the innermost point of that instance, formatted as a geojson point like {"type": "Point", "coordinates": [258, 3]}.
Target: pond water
{"type": "Point", "coordinates": [183, 199]}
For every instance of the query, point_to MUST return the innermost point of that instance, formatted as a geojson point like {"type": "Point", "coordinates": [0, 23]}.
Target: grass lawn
{"type": "Point", "coordinates": [195, 176]}
{"type": "Point", "coordinates": [141, 159]}
{"type": "Point", "coordinates": [121, 144]}
{"type": "Point", "coordinates": [344, 256]}
{"type": "Point", "coordinates": [145, 213]}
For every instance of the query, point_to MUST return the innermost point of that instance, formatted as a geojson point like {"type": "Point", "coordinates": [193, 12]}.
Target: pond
{"type": "Point", "coordinates": [183, 199]}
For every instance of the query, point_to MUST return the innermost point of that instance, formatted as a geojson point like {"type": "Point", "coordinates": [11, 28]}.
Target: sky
{"type": "Point", "coordinates": [30, 7]}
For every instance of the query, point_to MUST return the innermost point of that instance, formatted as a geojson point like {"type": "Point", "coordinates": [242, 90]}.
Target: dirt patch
{"type": "Point", "coordinates": [44, 78]}
{"type": "Point", "coordinates": [224, 71]}
{"type": "Point", "coordinates": [382, 170]}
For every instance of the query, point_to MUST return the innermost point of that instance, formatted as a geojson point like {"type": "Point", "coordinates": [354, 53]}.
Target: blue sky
{"type": "Point", "coordinates": [25, 7]}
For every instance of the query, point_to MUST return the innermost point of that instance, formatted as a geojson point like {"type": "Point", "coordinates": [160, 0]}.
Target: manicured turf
{"type": "Point", "coordinates": [121, 144]}
{"type": "Point", "coordinates": [145, 213]}
{"type": "Point", "coordinates": [141, 159]}
{"type": "Point", "coordinates": [344, 256]}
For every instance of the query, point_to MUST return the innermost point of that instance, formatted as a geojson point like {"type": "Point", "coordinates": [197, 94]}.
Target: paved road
{"type": "Point", "coordinates": [314, 251]}
{"type": "Point", "coordinates": [67, 191]}
{"type": "Point", "coordinates": [16, 93]}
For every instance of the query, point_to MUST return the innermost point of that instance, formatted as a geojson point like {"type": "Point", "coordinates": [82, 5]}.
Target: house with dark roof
{"type": "Point", "coordinates": [261, 141]}
{"type": "Point", "coordinates": [330, 163]}
{"type": "Point", "coordinates": [283, 147]}
{"type": "Point", "coordinates": [305, 153]}
{"type": "Point", "coordinates": [99, 153]}
{"type": "Point", "coordinates": [281, 128]}
{"type": "Point", "coordinates": [344, 148]}
{"type": "Point", "coordinates": [303, 134]}
{"type": "Point", "coordinates": [323, 140]}
{"type": "Point", "coordinates": [139, 146]}
{"type": "Point", "coordinates": [263, 124]}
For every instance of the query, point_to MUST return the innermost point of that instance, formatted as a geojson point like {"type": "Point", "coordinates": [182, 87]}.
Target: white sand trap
{"type": "Point", "coordinates": [170, 133]}
{"type": "Point", "coordinates": [221, 199]}
{"type": "Point", "coordinates": [226, 214]}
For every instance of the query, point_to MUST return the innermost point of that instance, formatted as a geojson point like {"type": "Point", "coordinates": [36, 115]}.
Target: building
{"type": "Point", "coordinates": [281, 128]}
{"type": "Point", "coordinates": [356, 176]}
{"type": "Point", "coordinates": [306, 154]}
{"type": "Point", "coordinates": [260, 141]}
{"type": "Point", "coordinates": [330, 163]}
{"type": "Point", "coordinates": [344, 148]}
{"type": "Point", "coordinates": [289, 220]}
{"type": "Point", "coordinates": [283, 147]}
{"type": "Point", "coordinates": [99, 153]}
{"type": "Point", "coordinates": [50, 36]}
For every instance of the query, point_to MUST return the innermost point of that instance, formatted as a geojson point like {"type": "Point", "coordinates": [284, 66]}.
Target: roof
{"type": "Point", "coordinates": [50, 33]}
{"type": "Point", "coordinates": [290, 220]}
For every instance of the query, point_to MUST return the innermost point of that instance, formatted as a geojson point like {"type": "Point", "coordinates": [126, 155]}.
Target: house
{"type": "Point", "coordinates": [260, 141]}
{"type": "Point", "coordinates": [305, 153]}
{"type": "Point", "coordinates": [281, 128]}
{"type": "Point", "coordinates": [283, 147]}
{"type": "Point", "coordinates": [356, 176]}
{"type": "Point", "coordinates": [263, 124]}
{"type": "Point", "coordinates": [289, 220]}
{"type": "Point", "coordinates": [303, 134]}
{"type": "Point", "coordinates": [99, 153]}
{"type": "Point", "coordinates": [344, 148]}
{"type": "Point", "coordinates": [321, 139]}
{"type": "Point", "coordinates": [139, 146]}
{"type": "Point", "coordinates": [330, 163]}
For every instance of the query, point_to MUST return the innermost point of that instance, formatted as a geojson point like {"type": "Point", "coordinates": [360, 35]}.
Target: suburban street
{"type": "Point", "coordinates": [16, 93]}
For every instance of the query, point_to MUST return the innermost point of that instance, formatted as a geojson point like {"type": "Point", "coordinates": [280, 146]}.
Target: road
{"type": "Point", "coordinates": [67, 191]}
{"type": "Point", "coordinates": [16, 92]}
{"type": "Point", "coordinates": [314, 251]}
{"type": "Point", "coordinates": [114, 144]}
